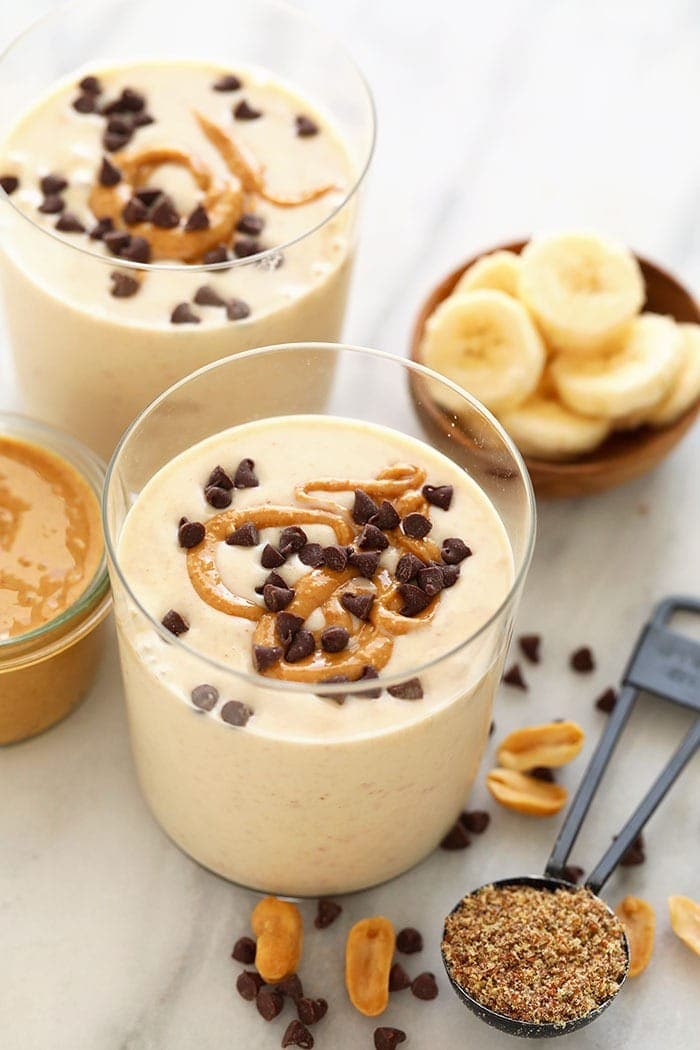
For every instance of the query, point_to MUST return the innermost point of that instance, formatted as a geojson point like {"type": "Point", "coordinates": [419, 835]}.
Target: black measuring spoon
{"type": "Point", "coordinates": [666, 664]}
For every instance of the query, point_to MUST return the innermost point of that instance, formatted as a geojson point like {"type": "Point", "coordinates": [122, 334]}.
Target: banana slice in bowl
{"type": "Point", "coordinates": [499, 271]}
{"type": "Point", "coordinates": [544, 428]}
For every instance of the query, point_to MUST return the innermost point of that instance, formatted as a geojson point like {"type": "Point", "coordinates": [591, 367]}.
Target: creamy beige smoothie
{"type": "Point", "coordinates": [133, 178]}
{"type": "Point", "coordinates": [281, 557]}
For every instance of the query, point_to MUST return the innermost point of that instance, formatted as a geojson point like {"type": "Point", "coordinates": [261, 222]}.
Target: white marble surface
{"type": "Point", "coordinates": [495, 119]}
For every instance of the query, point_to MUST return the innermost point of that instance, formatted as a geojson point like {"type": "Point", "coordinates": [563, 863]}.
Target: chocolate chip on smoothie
{"type": "Point", "coordinates": [292, 539]}
{"type": "Point", "coordinates": [206, 697]}
{"type": "Point", "coordinates": [398, 978]}
{"type": "Point", "coordinates": [530, 646]}
{"type": "Point", "coordinates": [249, 984]}
{"type": "Point", "coordinates": [309, 1011]}
{"type": "Point", "coordinates": [386, 518]}
{"type": "Point", "coordinates": [372, 539]}
{"type": "Point", "coordinates": [606, 701]}
{"type": "Point", "coordinates": [52, 204]}
{"type": "Point", "coordinates": [227, 82]}
{"type": "Point", "coordinates": [407, 567]}
{"type": "Point", "coordinates": [581, 660]}
{"type": "Point", "coordinates": [335, 557]}
{"type": "Point", "coordinates": [274, 579]}
{"type": "Point", "coordinates": [386, 1038]}
{"type": "Point", "coordinates": [134, 211]}
{"type": "Point", "coordinates": [572, 873]}
{"type": "Point", "coordinates": [454, 551]}
{"type": "Point", "coordinates": [297, 1034]}
{"type": "Point", "coordinates": [271, 557]}
{"type": "Point", "coordinates": [306, 127]}
{"type": "Point", "coordinates": [102, 227]}
{"type": "Point", "coordinates": [208, 296]}
{"type": "Point", "coordinates": [439, 495]}
{"type": "Point", "coordinates": [334, 639]}
{"type": "Point", "coordinates": [129, 101]}
{"type": "Point", "coordinates": [424, 986]}
{"type": "Point", "coordinates": [197, 220]}
{"type": "Point", "coordinates": [164, 214]}
{"type": "Point", "coordinates": [148, 196]}
{"type": "Point", "coordinates": [287, 625]}
{"type": "Point", "coordinates": [218, 497]}
{"type": "Point", "coordinates": [264, 656]}
{"type": "Point", "coordinates": [366, 562]}
{"type": "Point", "coordinates": [175, 623]}
{"type": "Point", "coordinates": [456, 838]}
{"type": "Point", "coordinates": [246, 478]}
{"type": "Point", "coordinates": [369, 674]}
{"type": "Point", "coordinates": [410, 690]}
{"type": "Point", "coordinates": [116, 241]}
{"type": "Point", "coordinates": [414, 599]}
{"type": "Point", "coordinates": [244, 951]}
{"type": "Point", "coordinates": [109, 174]}
{"type": "Point", "coordinates": [69, 223]}
{"type": "Point", "coordinates": [184, 314]}
{"type": "Point", "coordinates": [123, 285]}
{"type": "Point", "coordinates": [113, 141]}
{"type": "Point", "coordinates": [9, 183]}
{"type": "Point", "coordinates": [190, 534]}
{"type": "Point", "coordinates": [244, 247]}
{"type": "Point", "coordinates": [291, 987]}
{"type": "Point", "coordinates": [216, 255]}
{"type": "Point", "coordinates": [237, 310]}
{"type": "Point", "coordinates": [514, 676]}
{"type": "Point", "coordinates": [311, 554]}
{"type": "Point", "coordinates": [416, 526]}
{"type": "Point", "coordinates": [244, 111]}
{"type": "Point", "coordinates": [269, 1003]}
{"type": "Point", "coordinates": [250, 224]}
{"type": "Point", "coordinates": [85, 103]}
{"type": "Point", "coordinates": [327, 911]}
{"type": "Point", "coordinates": [246, 535]}
{"type": "Point", "coordinates": [303, 644]}
{"type": "Point", "coordinates": [221, 478]}
{"type": "Point", "coordinates": [475, 820]}
{"type": "Point", "coordinates": [277, 598]}
{"type": "Point", "coordinates": [360, 605]}
{"type": "Point", "coordinates": [53, 184]}
{"type": "Point", "coordinates": [430, 580]}
{"type": "Point", "coordinates": [137, 250]}
{"type": "Point", "coordinates": [409, 941]}
{"type": "Point", "coordinates": [335, 679]}
{"type": "Point", "coordinates": [363, 507]}
{"type": "Point", "coordinates": [236, 713]}
{"type": "Point", "coordinates": [90, 85]}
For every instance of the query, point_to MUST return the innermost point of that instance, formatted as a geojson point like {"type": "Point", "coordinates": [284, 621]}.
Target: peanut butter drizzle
{"type": "Point", "coordinates": [371, 644]}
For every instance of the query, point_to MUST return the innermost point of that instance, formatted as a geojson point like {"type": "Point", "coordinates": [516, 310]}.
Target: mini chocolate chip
{"type": "Point", "coordinates": [456, 838]}
{"type": "Point", "coordinates": [206, 697]}
{"type": "Point", "coordinates": [372, 539]}
{"type": "Point", "coordinates": [297, 1034]}
{"type": "Point", "coordinates": [311, 554]}
{"type": "Point", "coordinates": [116, 241]}
{"type": "Point", "coordinates": [634, 854]}
{"type": "Point", "coordinates": [414, 599]}
{"type": "Point", "coordinates": [306, 127]}
{"type": "Point", "coordinates": [291, 987]}
{"type": "Point", "coordinates": [335, 679]}
{"type": "Point", "coordinates": [327, 911]}
{"type": "Point", "coordinates": [109, 174]}
{"type": "Point", "coordinates": [424, 986]}
{"type": "Point", "coordinates": [244, 111]}
{"type": "Point", "coordinates": [287, 626]}
{"type": "Point", "coordinates": [175, 623]}
{"type": "Point", "coordinates": [140, 120]}
{"type": "Point", "coordinates": [409, 941]}
{"type": "Point", "coordinates": [606, 701]}
{"type": "Point", "coordinates": [410, 690]}
{"type": "Point", "coordinates": [237, 310]}
{"type": "Point", "coordinates": [269, 1003]}
{"type": "Point", "coordinates": [148, 196]}
{"type": "Point", "coordinates": [308, 1010]}
{"type": "Point", "coordinates": [514, 676]}
{"type": "Point", "coordinates": [249, 984]}
{"type": "Point", "coordinates": [439, 495]}
{"type": "Point", "coordinates": [335, 557]}
{"type": "Point", "coordinates": [53, 184]}
{"type": "Point", "coordinates": [137, 250]}
{"type": "Point", "coordinates": [69, 223]}
{"type": "Point", "coordinates": [227, 82]}
{"type": "Point", "coordinates": [235, 713]}
{"type": "Point", "coordinates": [245, 477]}
{"type": "Point", "coordinates": [90, 85]}
{"type": "Point", "coordinates": [244, 247]}
{"type": "Point", "coordinates": [303, 644]}
{"type": "Point", "coordinates": [216, 255]}
{"type": "Point", "coordinates": [530, 646]}
{"type": "Point", "coordinates": [363, 508]}
{"type": "Point", "coordinates": [360, 605]}
{"type": "Point", "coordinates": [244, 951]}
{"type": "Point", "coordinates": [417, 526]}
{"type": "Point", "coordinates": [264, 656]}
{"type": "Point", "coordinates": [190, 534]}
{"type": "Point", "coordinates": [366, 562]}
{"type": "Point", "coordinates": [476, 821]}
{"type": "Point", "coordinates": [246, 535]}
{"type": "Point", "coordinates": [454, 551]}
{"type": "Point", "coordinates": [277, 598]}
{"type": "Point", "coordinates": [120, 126]}
{"type": "Point", "coordinates": [221, 478]}
{"type": "Point", "coordinates": [123, 285]}
{"type": "Point", "coordinates": [164, 214]}
{"type": "Point", "coordinates": [52, 204]}
{"type": "Point", "coordinates": [407, 567]}
{"type": "Point", "coordinates": [132, 101]}
{"type": "Point", "coordinates": [184, 314]}
{"type": "Point", "coordinates": [9, 183]}
{"type": "Point", "coordinates": [542, 773]}
{"type": "Point", "coordinates": [85, 103]}
{"type": "Point", "coordinates": [218, 497]}
{"type": "Point", "coordinates": [369, 674]}
{"type": "Point", "coordinates": [197, 220]}
{"type": "Point", "coordinates": [398, 978]}
{"type": "Point", "coordinates": [274, 579]}
{"type": "Point", "coordinates": [134, 211]}
{"type": "Point", "coordinates": [113, 141]}
{"type": "Point", "coordinates": [334, 639]}
{"type": "Point", "coordinates": [386, 518]}
{"type": "Point", "coordinates": [101, 227]}
{"type": "Point", "coordinates": [582, 660]}
{"type": "Point", "coordinates": [292, 539]}
{"type": "Point", "coordinates": [250, 224]}
{"type": "Point", "coordinates": [431, 580]}
{"type": "Point", "coordinates": [271, 557]}
{"type": "Point", "coordinates": [386, 1038]}
{"type": "Point", "coordinates": [572, 873]}
{"type": "Point", "coordinates": [207, 296]}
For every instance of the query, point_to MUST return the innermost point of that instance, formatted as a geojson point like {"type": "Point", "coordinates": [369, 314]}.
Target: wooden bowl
{"type": "Point", "coordinates": [624, 455]}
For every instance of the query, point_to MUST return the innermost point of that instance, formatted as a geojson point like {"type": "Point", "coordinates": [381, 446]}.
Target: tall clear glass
{"type": "Point", "coordinates": [321, 812]}
{"type": "Point", "coordinates": [88, 361]}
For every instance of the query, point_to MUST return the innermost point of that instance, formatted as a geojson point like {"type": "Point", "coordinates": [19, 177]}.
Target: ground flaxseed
{"type": "Point", "coordinates": [534, 955]}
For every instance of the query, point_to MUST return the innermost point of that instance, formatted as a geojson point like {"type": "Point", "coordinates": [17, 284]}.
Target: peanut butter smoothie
{"type": "Point", "coordinates": [154, 171]}
{"type": "Point", "coordinates": [302, 570]}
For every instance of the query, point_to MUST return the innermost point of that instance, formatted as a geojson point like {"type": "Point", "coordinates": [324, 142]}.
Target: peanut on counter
{"type": "Point", "coordinates": [278, 928]}
{"type": "Point", "coordinates": [526, 794]}
{"type": "Point", "coordinates": [552, 744]}
{"type": "Point", "coordinates": [639, 920]}
{"type": "Point", "coordinates": [368, 954]}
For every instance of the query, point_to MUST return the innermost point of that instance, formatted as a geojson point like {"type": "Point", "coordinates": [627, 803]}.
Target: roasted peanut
{"type": "Point", "coordinates": [368, 954]}
{"type": "Point", "coordinates": [516, 790]}
{"type": "Point", "coordinates": [280, 937]}
{"type": "Point", "coordinates": [685, 919]}
{"type": "Point", "coordinates": [551, 744]}
{"type": "Point", "coordinates": [637, 916]}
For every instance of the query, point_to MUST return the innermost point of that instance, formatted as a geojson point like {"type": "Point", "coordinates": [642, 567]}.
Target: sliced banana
{"type": "Point", "coordinates": [544, 428]}
{"type": "Point", "coordinates": [632, 380]}
{"type": "Point", "coordinates": [486, 342]}
{"type": "Point", "coordinates": [582, 289]}
{"type": "Point", "coordinates": [497, 271]}
{"type": "Point", "coordinates": [686, 387]}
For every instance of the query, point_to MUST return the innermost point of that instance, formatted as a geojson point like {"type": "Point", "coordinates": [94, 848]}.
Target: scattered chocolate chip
{"type": "Point", "coordinates": [244, 247]}
{"type": "Point", "coordinates": [269, 1003]}
{"type": "Point", "coordinates": [572, 873]}
{"type": "Point", "coordinates": [116, 240]}
{"type": "Point", "coordinates": [251, 225]}
{"type": "Point", "coordinates": [190, 534]}
{"type": "Point", "coordinates": [140, 120]}
{"type": "Point", "coordinates": [542, 773]}
{"type": "Point", "coordinates": [439, 495]}
{"type": "Point", "coordinates": [327, 911]}
{"type": "Point", "coordinates": [271, 557]}
{"type": "Point", "coordinates": [237, 310]}
{"type": "Point", "coordinates": [492, 728]}
{"type": "Point", "coordinates": [274, 579]}
{"type": "Point", "coordinates": [277, 598]}
{"type": "Point", "coordinates": [363, 507]}
{"type": "Point", "coordinates": [606, 701]}
{"type": "Point", "coordinates": [246, 535]}
{"type": "Point", "coordinates": [360, 605]}
{"type": "Point", "coordinates": [244, 951]}
{"type": "Point", "coordinates": [197, 220]}
{"type": "Point", "coordinates": [366, 562]}
{"type": "Point", "coordinates": [309, 1011]}
{"type": "Point", "coordinates": [221, 478]}
{"type": "Point", "coordinates": [175, 623]}
{"type": "Point", "coordinates": [287, 626]}
{"type": "Point", "coordinates": [249, 984]}
{"type": "Point", "coordinates": [581, 660]}
{"type": "Point", "coordinates": [113, 141]}
{"type": "Point", "coordinates": [634, 854]}
{"type": "Point", "coordinates": [90, 85]}
{"type": "Point", "coordinates": [407, 567]}
{"type": "Point", "coordinates": [264, 656]}
{"type": "Point", "coordinates": [417, 526]}
{"type": "Point", "coordinates": [424, 986]}
{"type": "Point", "coordinates": [164, 214]}
{"type": "Point", "coordinates": [454, 551]}
{"type": "Point", "coordinates": [244, 111]}
{"type": "Point", "coordinates": [514, 676]}
{"type": "Point", "coordinates": [227, 82]}
{"type": "Point", "coordinates": [456, 838]}
{"type": "Point", "coordinates": [216, 255]}
{"type": "Point", "coordinates": [414, 599]}
{"type": "Point", "coordinates": [431, 580]}
{"type": "Point", "coordinates": [184, 314]}
{"type": "Point", "coordinates": [218, 497]}
{"type": "Point", "coordinates": [386, 1038]}
{"type": "Point", "coordinates": [303, 645]}
{"type": "Point", "coordinates": [311, 554]}
{"type": "Point", "coordinates": [369, 674]}
{"type": "Point", "coordinates": [123, 285]}
{"type": "Point", "coordinates": [109, 174]}
{"type": "Point", "coordinates": [51, 184]}
{"type": "Point", "coordinates": [409, 941]}
{"type": "Point", "coordinates": [52, 204]}
{"type": "Point", "coordinates": [410, 690]}
{"type": "Point", "coordinates": [148, 196]}
{"type": "Point", "coordinates": [85, 103]}
{"type": "Point", "coordinates": [530, 646]}
{"type": "Point", "coordinates": [206, 697]}
{"type": "Point", "coordinates": [297, 1034]}
{"type": "Point", "coordinates": [134, 211]}
{"type": "Point", "coordinates": [246, 478]}
{"type": "Point", "coordinates": [398, 978]}
{"type": "Point", "coordinates": [476, 821]}
{"type": "Point", "coordinates": [335, 679]}
{"type": "Point", "coordinates": [235, 713]}
{"type": "Point", "coordinates": [291, 540]}
{"type": "Point", "coordinates": [386, 518]}
{"type": "Point", "coordinates": [69, 223]}
{"type": "Point", "coordinates": [101, 227]}
{"type": "Point", "coordinates": [334, 639]}
{"type": "Point", "coordinates": [335, 557]}
{"type": "Point", "coordinates": [137, 250]}
{"type": "Point", "coordinates": [9, 183]}
{"type": "Point", "coordinates": [207, 296]}
{"type": "Point", "coordinates": [306, 127]}
{"type": "Point", "coordinates": [290, 987]}
{"type": "Point", "coordinates": [132, 101]}
{"type": "Point", "coordinates": [372, 539]}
